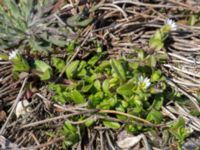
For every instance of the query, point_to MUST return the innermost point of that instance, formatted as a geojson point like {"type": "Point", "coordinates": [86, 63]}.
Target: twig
{"type": "Point", "coordinates": [127, 115]}
{"type": "Point", "coordinates": [44, 145]}
{"type": "Point", "coordinates": [193, 99]}
{"type": "Point", "coordinates": [144, 4]}
{"type": "Point", "coordinates": [57, 118]}
{"type": "Point", "coordinates": [111, 146]}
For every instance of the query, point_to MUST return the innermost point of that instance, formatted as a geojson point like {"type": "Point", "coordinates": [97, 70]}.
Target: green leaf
{"type": "Point", "coordinates": [59, 98]}
{"type": "Point", "coordinates": [112, 125]}
{"type": "Point", "coordinates": [86, 88]}
{"type": "Point", "coordinates": [158, 35]}
{"type": "Point", "coordinates": [99, 48]}
{"type": "Point", "coordinates": [56, 41]}
{"type": "Point", "coordinates": [107, 103]}
{"type": "Point", "coordinates": [179, 131]}
{"type": "Point", "coordinates": [126, 89]}
{"type": "Point", "coordinates": [85, 22]}
{"type": "Point", "coordinates": [26, 8]}
{"type": "Point", "coordinates": [118, 69]}
{"type": "Point", "coordinates": [180, 123]}
{"type": "Point", "coordinates": [105, 86]}
{"type": "Point", "coordinates": [156, 76]}
{"type": "Point", "coordinates": [192, 20]}
{"type": "Point", "coordinates": [96, 98]}
{"type": "Point", "coordinates": [156, 43]}
{"type": "Point", "coordinates": [68, 127]}
{"type": "Point", "coordinates": [140, 54]}
{"type": "Point", "coordinates": [151, 61]}
{"type": "Point", "coordinates": [134, 128]}
{"type": "Point", "coordinates": [58, 63]}
{"type": "Point", "coordinates": [158, 102]}
{"type": "Point", "coordinates": [72, 69]}
{"type": "Point", "coordinates": [81, 71]}
{"type": "Point", "coordinates": [12, 6]}
{"type": "Point", "coordinates": [105, 65]}
{"type": "Point", "coordinates": [155, 116]}
{"type": "Point", "coordinates": [93, 60]}
{"type": "Point", "coordinates": [90, 122]}
{"type": "Point", "coordinates": [71, 46]}
{"type": "Point", "coordinates": [20, 64]}
{"type": "Point", "coordinates": [71, 134]}
{"type": "Point", "coordinates": [97, 85]}
{"type": "Point", "coordinates": [77, 97]}
{"type": "Point", "coordinates": [75, 21]}
{"type": "Point", "coordinates": [44, 71]}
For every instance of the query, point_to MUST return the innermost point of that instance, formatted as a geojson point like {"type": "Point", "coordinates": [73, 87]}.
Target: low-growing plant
{"type": "Point", "coordinates": [30, 25]}
{"type": "Point", "coordinates": [157, 41]}
{"type": "Point", "coordinates": [70, 133]}
{"type": "Point", "coordinates": [179, 131]}
{"type": "Point", "coordinates": [135, 88]}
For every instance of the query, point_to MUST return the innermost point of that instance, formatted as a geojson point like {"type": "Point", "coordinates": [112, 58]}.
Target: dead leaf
{"type": "Point", "coordinates": [2, 115]}
{"type": "Point", "coordinates": [129, 142]}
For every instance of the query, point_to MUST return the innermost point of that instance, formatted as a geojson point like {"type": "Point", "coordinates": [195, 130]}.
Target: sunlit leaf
{"type": "Point", "coordinates": [156, 76]}
{"type": "Point", "coordinates": [90, 122]}
{"type": "Point", "coordinates": [71, 69]}
{"type": "Point", "coordinates": [58, 63]}
{"type": "Point", "coordinates": [77, 97]}
{"type": "Point", "coordinates": [126, 89]}
{"type": "Point", "coordinates": [178, 130]}
{"type": "Point", "coordinates": [71, 134]}
{"type": "Point", "coordinates": [105, 86]}
{"type": "Point", "coordinates": [112, 125]}
{"type": "Point", "coordinates": [44, 71]}
{"type": "Point", "coordinates": [155, 116]}
{"type": "Point", "coordinates": [97, 85]}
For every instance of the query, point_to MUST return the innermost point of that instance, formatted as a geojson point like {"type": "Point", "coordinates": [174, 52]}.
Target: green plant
{"type": "Point", "coordinates": [19, 63]}
{"type": "Point", "coordinates": [158, 39]}
{"type": "Point", "coordinates": [70, 133]}
{"type": "Point", "coordinates": [30, 25]}
{"type": "Point", "coordinates": [133, 88]}
{"type": "Point", "coordinates": [179, 131]}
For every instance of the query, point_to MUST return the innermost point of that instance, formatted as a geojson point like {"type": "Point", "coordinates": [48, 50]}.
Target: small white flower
{"type": "Point", "coordinates": [22, 109]}
{"type": "Point", "coordinates": [13, 54]}
{"type": "Point", "coordinates": [171, 23]}
{"type": "Point", "coordinates": [145, 82]}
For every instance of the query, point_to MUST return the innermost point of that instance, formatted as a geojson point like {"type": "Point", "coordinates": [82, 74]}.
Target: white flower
{"type": "Point", "coordinates": [144, 82]}
{"type": "Point", "coordinates": [22, 109]}
{"type": "Point", "coordinates": [13, 54]}
{"type": "Point", "coordinates": [171, 23]}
